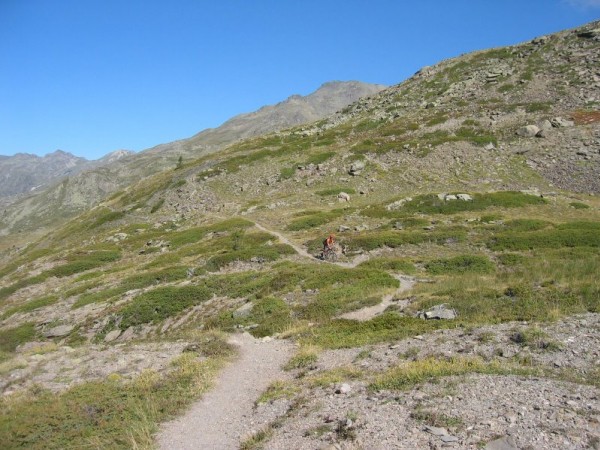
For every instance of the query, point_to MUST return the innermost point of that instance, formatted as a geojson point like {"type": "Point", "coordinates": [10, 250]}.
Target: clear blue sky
{"type": "Point", "coordinates": [93, 76]}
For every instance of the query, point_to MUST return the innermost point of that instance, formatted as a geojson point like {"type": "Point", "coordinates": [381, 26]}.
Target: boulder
{"type": "Point", "coordinates": [450, 197]}
{"type": "Point", "coordinates": [343, 197]}
{"type": "Point", "coordinates": [503, 443]}
{"type": "Point", "coordinates": [438, 312]}
{"type": "Point", "coordinates": [59, 331]}
{"type": "Point", "coordinates": [112, 336]}
{"type": "Point", "coordinates": [559, 122]}
{"type": "Point", "coordinates": [356, 168]}
{"type": "Point", "coordinates": [528, 131]}
{"type": "Point", "coordinates": [243, 311]}
{"type": "Point", "coordinates": [464, 197]}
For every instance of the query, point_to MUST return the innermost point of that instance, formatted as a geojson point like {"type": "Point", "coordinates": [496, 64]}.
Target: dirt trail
{"type": "Point", "coordinates": [223, 416]}
{"type": "Point", "coordinates": [406, 283]}
{"type": "Point", "coordinates": [301, 251]}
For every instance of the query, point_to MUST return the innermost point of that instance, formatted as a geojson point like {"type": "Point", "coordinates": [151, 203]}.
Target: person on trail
{"type": "Point", "coordinates": [329, 243]}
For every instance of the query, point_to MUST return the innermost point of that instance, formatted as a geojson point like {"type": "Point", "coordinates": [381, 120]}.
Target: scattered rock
{"type": "Point", "coordinates": [356, 168]}
{"type": "Point", "coordinates": [464, 197]}
{"type": "Point", "coordinates": [343, 197]}
{"type": "Point", "coordinates": [559, 122]}
{"type": "Point", "coordinates": [112, 336]}
{"type": "Point", "coordinates": [59, 331]}
{"type": "Point", "coordinates": [503, 443]}
{"type": "Point", "coordinates": [344, 388]}
{"type": "Point", "coordinates": [438, 312]}
{"type": "Point", "coordinates": [528, 131]}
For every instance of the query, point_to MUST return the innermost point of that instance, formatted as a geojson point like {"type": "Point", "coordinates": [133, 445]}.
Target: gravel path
{"type": "Point", "coordinates": [223, 417]}
{"type": "Point", "coordinates": [301, 251]}
{"type": "Point", "coordinates": [406, 283]}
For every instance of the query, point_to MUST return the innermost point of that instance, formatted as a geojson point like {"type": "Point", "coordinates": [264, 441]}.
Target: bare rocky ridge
{"type": "Point", "coordinates": [77, 193]}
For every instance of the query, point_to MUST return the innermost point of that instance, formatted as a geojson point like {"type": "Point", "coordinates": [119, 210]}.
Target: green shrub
{"type": "Point", "coordinates": [545, 239]}
{"type": "Point", "coordinates": [314, 220]}
{"type": "Point", "coordinates": [30, 306]}
{"type": "Point", "coordinates": [11, 338]}
{"type": "Point", "coordinates": [335, 191]}
{"type": "Point", "coordinates": [264, 253]}
{"type": "Point", "coordinates": [511, 259]}
{"type": "Point", "coordinates": [161, 303]}
{"type": "Point", "coordinates": [386, 327]}
{"type": "Point", "coordinates": [393, 239]}
{"type": "Point", "coordinates": [527, 225]}
{"type": "Point", "coordinates": [286, 173]}
{"type": "Point", "coordinates": [393, 264]}
{"type": "Point", "coordinates": [460, 264]}
{"type": "Point", "coordinates": [579, 205]}
{"type": "Point", "coordinates": [157, 205]}
{"type": "Point", "coordinates": [320, 158]}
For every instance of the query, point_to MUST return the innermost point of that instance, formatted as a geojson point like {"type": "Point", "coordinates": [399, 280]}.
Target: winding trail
{"type": "Point", "coordinates": [364, 314]}
{"type": "Point", "coordinates": [221, 419]}
{"type": "Point", "coordinates": [301, 251]}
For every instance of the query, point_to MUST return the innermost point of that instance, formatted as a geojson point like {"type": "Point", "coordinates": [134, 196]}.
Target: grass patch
{"type": "Point", "coordinates": [387, 327]}
{"type": "Point", "coordinates": [277, 390]}
{"type": "Point", "coordinates": [11, 338]}
{"type": "Point", "coordinates": [258, 254]}
{"type": "Point", "coordinates": [105, 414]}
{"type": "Point", "coordinates": [161, 303]}
{"type": "Point", "coordinates": [30, 306]}
{"type": "Point", "coordinates": [460, 264]}
{"type": "Point", "coordinates": [394, 239]}
{"type": "Point", "coordinates": [546, 239]}
{"type": "Point", "coordinates": [579, 205]}
{"type": "Point", "coordinates": [412, 373]}
{"type": "Point", "coordinates": [391, 264]}
{"type": "Point", "coordinates": [306, 357]}
{"type": "Point", "coordinates": [314, 220]}
{"type": "Point", "coordinates": [335, 191]}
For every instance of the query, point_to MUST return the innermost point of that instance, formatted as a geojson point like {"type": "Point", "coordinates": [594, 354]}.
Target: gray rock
{"type": "Point", "coordinates": [243, 311]}
{"type": "Point", "coordinates": [464, 197]}
{"type": "Point", "coordinates": [546, 125]}
{"type": "Point", "coordinates": [503, 443]}
{"type": "Point", "coordinates": [528, 131]}
{"type": "Point", "coordinates": [112, 336]}
{"type": "Point", "coordinates": [449, 438]}
{"type": "Point", "coordinates": [343, 228]}
{"type": "Point", "coordinates": [489, 146]}
{"type": "Point", "coordinates": [559, 122]}
{"type": "Point", "coordinates": [59, 331]}
{"type": "Point", "coordinates": [436, 431]}
{"type": "Point", "coordinates": [127, 334]}
{"type": "Point", "coordinates": [438, 312]}
{"type": "Point", "coordinates": [344, 388]}
{"type": "Point", "coordinates": [343, 197]}
{"type": "Point", "coordinates": [450, 197]}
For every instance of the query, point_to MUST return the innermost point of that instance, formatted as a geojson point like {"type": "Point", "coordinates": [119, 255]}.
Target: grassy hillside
{"type": "Point", "coordinates": [502, 228]}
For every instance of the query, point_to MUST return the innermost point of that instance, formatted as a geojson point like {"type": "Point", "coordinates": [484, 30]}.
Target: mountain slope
{"type": "Point", "coordinates": [79, 192]}
{"type": "Point", "coordinates": [464, 271]}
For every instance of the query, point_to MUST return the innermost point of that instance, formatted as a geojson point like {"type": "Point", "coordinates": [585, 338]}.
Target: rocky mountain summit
{"type": "Point", "coordinates": [75, 193]}
{"type": "Point", "coordinates": [461, 310]}
{"type": "Point", "coordinates": [24, 172]}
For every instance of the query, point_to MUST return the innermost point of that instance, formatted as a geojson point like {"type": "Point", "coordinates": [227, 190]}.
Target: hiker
{"type": "Point", "coordinates": [328, 243]}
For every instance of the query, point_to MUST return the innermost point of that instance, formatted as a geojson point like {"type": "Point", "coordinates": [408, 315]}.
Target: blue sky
{"type": "Point", "coordinates": [93, 76]}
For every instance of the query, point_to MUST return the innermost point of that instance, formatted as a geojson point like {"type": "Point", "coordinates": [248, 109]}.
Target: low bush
{"type": "Point", "coordinates": [161, 303]}
{"type": "Point", "coordinates": [11, 338]}
{"type": "Point", "coordinates": [31, 305]}
{"type": "Point", "coordinates": [555, 238]}
{"type": "Point", "coordinates": [460, 264]}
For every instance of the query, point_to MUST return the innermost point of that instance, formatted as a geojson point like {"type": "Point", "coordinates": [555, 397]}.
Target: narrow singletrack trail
{"type": "Point", "coordinates": [406, 283]}
{"type": "Point", "coordinates": [221, 419]}
{"type": "Point", "coordinates": [301, 251]}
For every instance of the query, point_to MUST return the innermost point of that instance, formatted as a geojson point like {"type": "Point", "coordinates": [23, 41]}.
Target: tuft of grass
{"type": "Point", "coordinates": [411, 373]}
{"type": "Point", "coordinates": [579, 205]}
{"type": "Point", "coordinates": [335, 191]}
{"type": "Point", "coordinates": [436, 419]}
{"type": "Point", "coordinates": [11, 338]}
{"type": "Point", "coordinates": [339, 374]}
{"type": "Point", "coordinates": [306, 356]}
{"type": "Point", "coordinates": [277, 390]}
{"type": "Point", "coordinates": [535, 338]}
